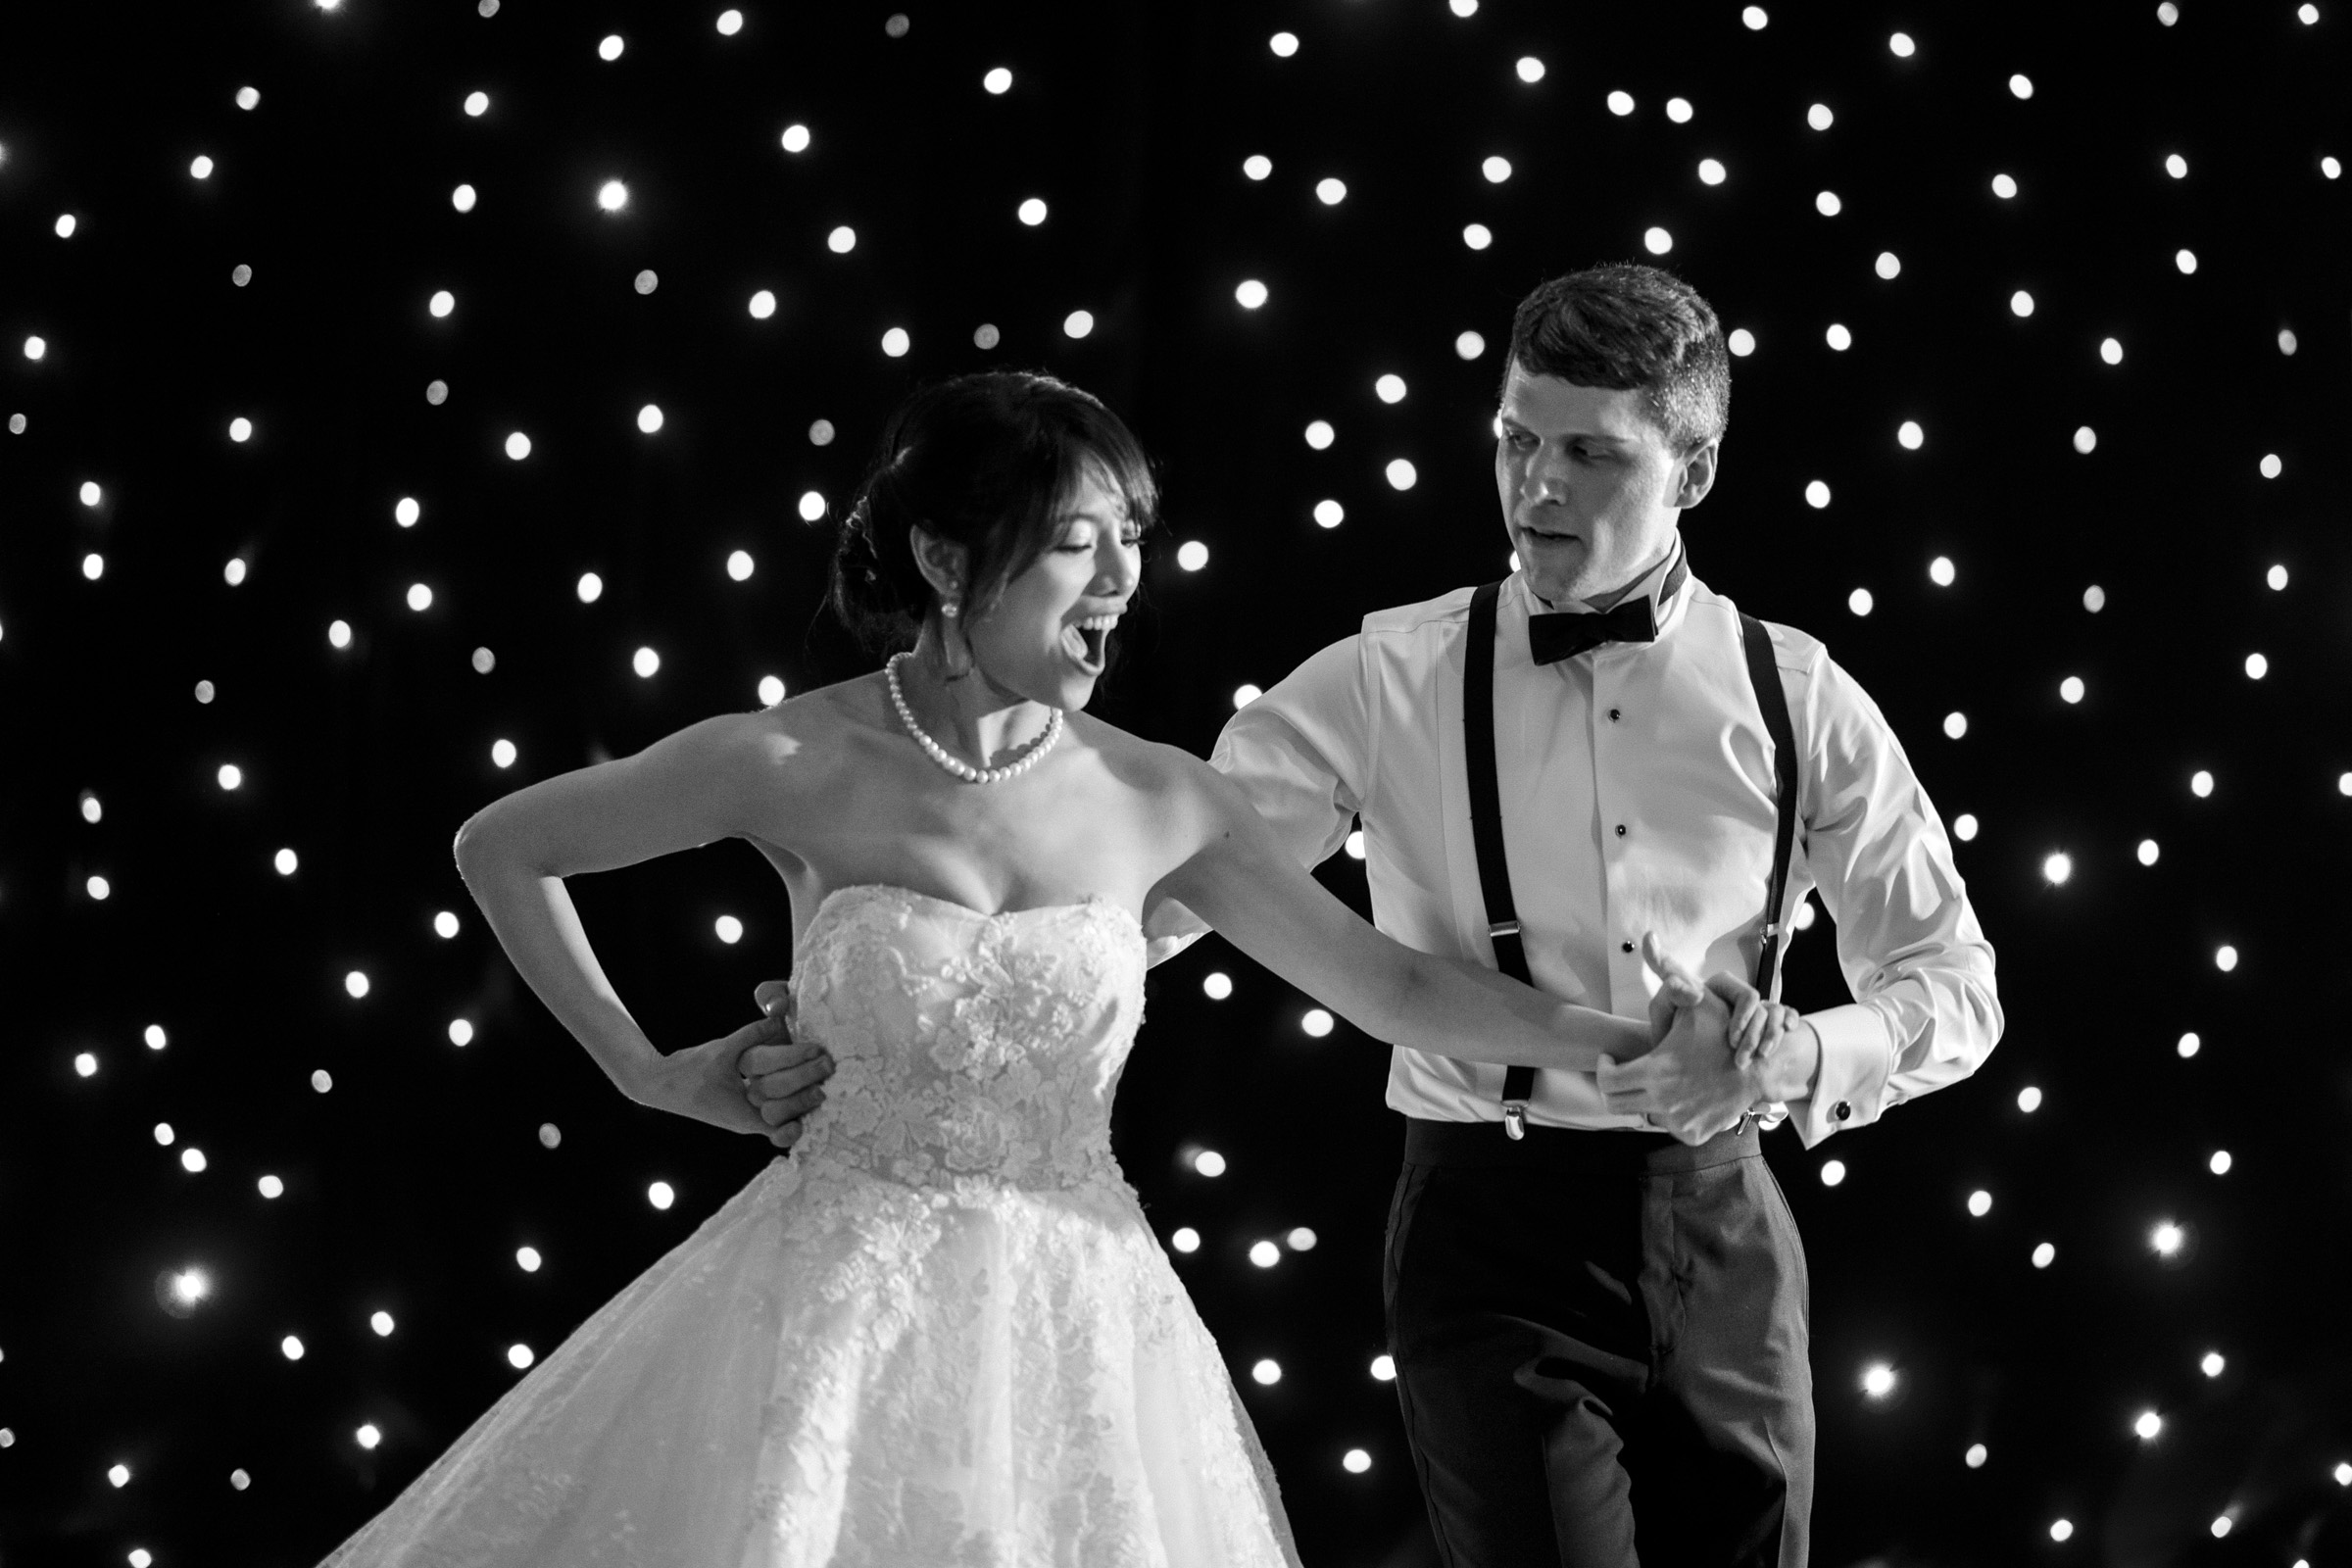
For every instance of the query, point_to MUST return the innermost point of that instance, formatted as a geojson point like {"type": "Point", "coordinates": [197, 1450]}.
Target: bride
{"type": "Point", "coordinates": [941, 1331]}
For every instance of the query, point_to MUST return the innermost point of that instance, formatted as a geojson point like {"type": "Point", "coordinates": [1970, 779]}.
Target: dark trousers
{"type": "Point", "coordinates": [1601, 1348]}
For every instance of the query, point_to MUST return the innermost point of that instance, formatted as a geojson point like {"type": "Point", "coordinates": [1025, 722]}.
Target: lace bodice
{"type": "Point", "coordinates": [969, 1048]}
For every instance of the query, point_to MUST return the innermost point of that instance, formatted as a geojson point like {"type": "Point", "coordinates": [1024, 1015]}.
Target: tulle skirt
{"type": "Point", "coordinates": [849, 1371]}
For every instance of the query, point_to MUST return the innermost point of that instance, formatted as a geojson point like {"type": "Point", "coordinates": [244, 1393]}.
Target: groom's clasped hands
{"type": "Point", "coordinates": [1718, 1050]}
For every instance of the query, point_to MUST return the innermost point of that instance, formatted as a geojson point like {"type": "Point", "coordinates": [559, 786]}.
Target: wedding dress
{"type": "Point", "coordinates": [939, 1332]}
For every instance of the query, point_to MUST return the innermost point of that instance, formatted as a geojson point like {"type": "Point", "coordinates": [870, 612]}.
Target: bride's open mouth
{"type": "Point", "coordinates": [1088, 642]}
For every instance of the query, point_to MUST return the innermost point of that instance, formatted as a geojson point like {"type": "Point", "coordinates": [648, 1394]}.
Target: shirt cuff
{"type": "Point", "coordinates": [1850, 1090]}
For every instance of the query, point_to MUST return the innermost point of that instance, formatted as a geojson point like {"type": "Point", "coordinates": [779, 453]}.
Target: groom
{"type": "Point", "coordinates": [1596, 1293]}
{"type": "Point", "coordinates": [1597, 1307]}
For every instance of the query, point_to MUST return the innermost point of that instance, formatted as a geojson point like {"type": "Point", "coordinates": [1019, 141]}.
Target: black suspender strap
{"type": "Point", "coordinates": [1486, 829]}
{"type": "Point", "coordinates": [1485, 812]}
{"type": "Point", "coordinates": [1764, 673]}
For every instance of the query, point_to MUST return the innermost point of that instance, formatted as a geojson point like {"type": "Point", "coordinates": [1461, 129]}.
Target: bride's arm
{"type": "Point", "coordinates": [515, 854]}
{"type": "Point", "coordinates": [1239, 879]}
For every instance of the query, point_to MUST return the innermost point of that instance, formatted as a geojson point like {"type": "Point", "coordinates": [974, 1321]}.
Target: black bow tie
{"type": "Point", "coordinates": [1564, 634]}
{"type": "Point", "coordinates": [1568, 633]}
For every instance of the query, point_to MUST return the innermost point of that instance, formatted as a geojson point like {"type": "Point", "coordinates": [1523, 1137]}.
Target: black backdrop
{"type": "Point", "coordinates": [413, 1180]}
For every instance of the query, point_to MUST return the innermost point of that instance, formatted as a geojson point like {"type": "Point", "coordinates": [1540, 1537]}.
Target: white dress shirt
{"type": "Point", "coordinates": [1638, 795]}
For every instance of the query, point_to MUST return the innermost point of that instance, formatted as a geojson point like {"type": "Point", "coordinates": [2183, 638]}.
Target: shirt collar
{"type": "Point", "coordinates": [1667, 612]}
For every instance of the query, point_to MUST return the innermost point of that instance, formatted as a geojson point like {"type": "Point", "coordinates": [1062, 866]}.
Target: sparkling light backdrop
{"type": "Point", "coordinates": [407, 402]}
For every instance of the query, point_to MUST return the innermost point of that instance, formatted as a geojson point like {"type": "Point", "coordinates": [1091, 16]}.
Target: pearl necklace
{"type": "Point", "coordinates": [948, 759]}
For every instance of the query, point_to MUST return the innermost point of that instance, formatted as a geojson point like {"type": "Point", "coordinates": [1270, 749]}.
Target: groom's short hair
{"type": "Point", "coordinates": [1627, 325]}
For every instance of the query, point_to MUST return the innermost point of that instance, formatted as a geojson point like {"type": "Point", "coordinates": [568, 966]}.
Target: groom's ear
{"type": "Point", "coordinates": [1694, 476]}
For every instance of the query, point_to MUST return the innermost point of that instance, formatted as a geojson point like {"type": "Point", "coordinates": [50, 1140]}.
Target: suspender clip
{"type": "Point", "coordinates": [1514, 1119]}
{"type": "Point", "coordinates": [1503, 928]}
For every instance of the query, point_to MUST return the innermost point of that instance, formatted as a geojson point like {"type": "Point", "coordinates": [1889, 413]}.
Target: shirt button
{"type": "Point", "coordinates": [1615, 714]}
{"type": "Point", "coordinates": [1841, 1111]}
{"type": "Point", "coordinates": [1621, 830]}
{"type": "Point", "coordinates": [1624, 946]}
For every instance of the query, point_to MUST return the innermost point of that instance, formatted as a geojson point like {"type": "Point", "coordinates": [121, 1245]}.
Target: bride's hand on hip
{"type": "Point", "coordinates": [704, 1084]}
{"type": "Point", "coordinates": [783, 1076]}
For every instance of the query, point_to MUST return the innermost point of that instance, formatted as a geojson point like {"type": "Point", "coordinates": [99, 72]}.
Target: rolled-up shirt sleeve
{"type": "Point", "coordinates": [1926, 1012]}
{"type": "Point", "coordinates": [1301, 753]}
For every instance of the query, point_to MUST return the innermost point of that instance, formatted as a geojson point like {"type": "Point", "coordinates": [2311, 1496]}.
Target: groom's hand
{"type": "Point", "coordinates": [1690, 1084]}
{"type": "Point", "coordinates": [781, 1076]}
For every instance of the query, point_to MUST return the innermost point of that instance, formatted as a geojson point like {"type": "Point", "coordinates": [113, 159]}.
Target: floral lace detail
{"type": "Point", "coordinates": [963, 1045]}
{"type": "Point", "coordinates": [940, 1333]}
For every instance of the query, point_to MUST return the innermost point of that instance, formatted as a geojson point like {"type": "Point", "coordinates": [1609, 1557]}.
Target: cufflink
{"type": "Point", "coordinates": [1844, 1111]}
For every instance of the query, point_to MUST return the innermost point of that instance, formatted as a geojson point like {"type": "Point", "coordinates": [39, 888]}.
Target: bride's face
{"type": "Point", "coordinates": [1047, 638]}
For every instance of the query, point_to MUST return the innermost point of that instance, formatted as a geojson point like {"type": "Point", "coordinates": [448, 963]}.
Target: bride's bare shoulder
{"type": "Point", "coordinates": [1168, 774]}
{"type": "Point", "coordinates": [804, 735]}
{"type": "Point", "coordinates": [856, 702]}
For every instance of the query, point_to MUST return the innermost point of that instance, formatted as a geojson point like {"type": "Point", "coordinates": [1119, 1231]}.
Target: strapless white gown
{"type": "Point", "coordinates": [939, 1333]}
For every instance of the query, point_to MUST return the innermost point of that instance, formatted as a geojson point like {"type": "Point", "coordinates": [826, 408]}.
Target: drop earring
{"type": "Point", "coordinates": [949, 609]}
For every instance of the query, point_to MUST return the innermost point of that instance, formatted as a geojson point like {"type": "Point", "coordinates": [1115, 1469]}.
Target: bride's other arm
{"type": "Point", "coordinates": [681, 792]}
{"type": "Point", "coordinates": [1238, 878]}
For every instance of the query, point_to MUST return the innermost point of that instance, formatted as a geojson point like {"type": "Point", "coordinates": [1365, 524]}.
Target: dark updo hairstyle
{"type": "Point", "coordinates": [1628, 325]}
{"type": "Point", "coordinates": [986, 462]}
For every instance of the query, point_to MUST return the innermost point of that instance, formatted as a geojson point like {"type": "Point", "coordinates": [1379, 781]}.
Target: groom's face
{"type": "Point", "coordinates": [1591, 488]}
